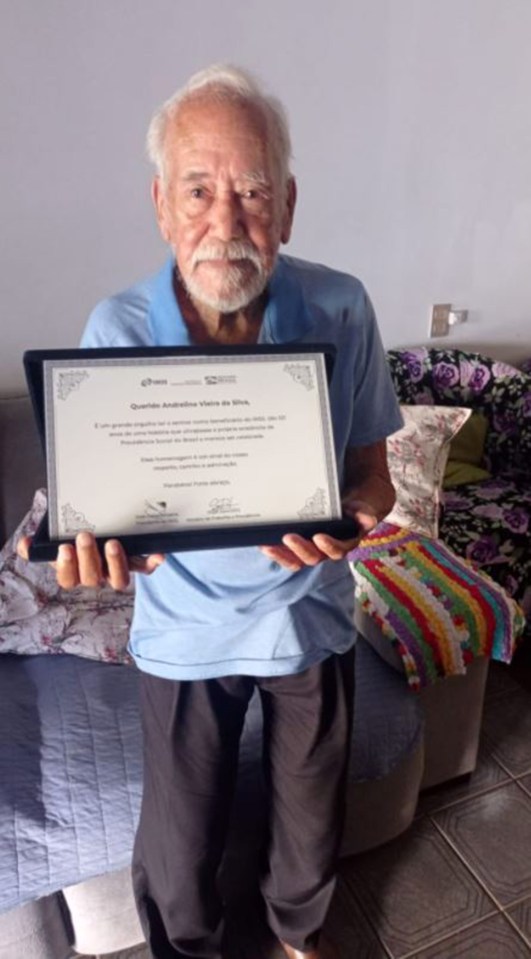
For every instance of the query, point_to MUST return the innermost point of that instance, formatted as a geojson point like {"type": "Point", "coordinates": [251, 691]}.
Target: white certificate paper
{"type": "Point", "coordinates": [154, 444]}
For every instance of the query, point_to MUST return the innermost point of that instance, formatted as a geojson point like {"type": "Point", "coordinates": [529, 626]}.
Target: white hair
{"type": "Point", "coordinates": [224, 82]}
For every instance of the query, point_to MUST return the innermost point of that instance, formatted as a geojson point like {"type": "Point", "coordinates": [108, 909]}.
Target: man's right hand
{"type": "Point", "coordinates": [82, 564]}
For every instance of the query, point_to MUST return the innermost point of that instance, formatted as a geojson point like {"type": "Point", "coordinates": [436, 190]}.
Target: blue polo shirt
{"type": "Point", "coordinates": [211, 613]}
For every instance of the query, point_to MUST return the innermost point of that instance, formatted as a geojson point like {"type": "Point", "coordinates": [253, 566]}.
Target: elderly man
{"type": "Point", "coordinates": [210, 627]}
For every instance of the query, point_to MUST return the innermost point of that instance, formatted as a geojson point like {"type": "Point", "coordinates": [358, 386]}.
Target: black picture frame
{"type": "Point", "coordinates": [44, 549]}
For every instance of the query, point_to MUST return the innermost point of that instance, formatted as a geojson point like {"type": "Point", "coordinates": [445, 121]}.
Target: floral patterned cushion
{"type": "Point", "coordinates": [417, 456]}
{"type": "Point", "coordinates": [36, 616]}
{"type": "Point", "coordinates": [489, 523]}
{"type": "Point", "coordinates": [456, 378]}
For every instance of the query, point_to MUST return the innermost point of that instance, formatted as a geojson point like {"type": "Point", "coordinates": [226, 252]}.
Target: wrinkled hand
{"type": "Point", "coordinates": [296, 552]}
{"type": "Point", "coordinates": [82, 564]}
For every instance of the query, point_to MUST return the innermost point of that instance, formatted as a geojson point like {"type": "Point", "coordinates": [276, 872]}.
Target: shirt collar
{"type": "Point", "coordinates": [286, 316]}
{"type": "Point", "coordinates": [166, 322]}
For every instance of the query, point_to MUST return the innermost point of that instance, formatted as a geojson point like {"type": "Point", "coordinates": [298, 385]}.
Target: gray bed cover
{"type": "Point", "coordinates": [71, 768]}
{"type": "Point", "coordinates": [70, 772]}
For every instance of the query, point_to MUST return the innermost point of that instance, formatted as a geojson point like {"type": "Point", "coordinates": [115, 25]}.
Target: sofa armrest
{"type": "Point", "coordinates": [21, 461]}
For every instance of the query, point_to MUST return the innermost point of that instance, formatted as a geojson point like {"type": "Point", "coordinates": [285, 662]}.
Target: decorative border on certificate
{"type": "Point", "coordinates": [157, 441]}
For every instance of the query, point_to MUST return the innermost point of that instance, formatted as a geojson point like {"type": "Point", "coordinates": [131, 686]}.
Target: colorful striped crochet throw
{"type": "Point", "coordinates": [435, 608]}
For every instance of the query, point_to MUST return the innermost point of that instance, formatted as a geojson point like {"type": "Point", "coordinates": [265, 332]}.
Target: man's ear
{"type": "Point", "coordinates": [159, 202]}
{"type": "Point", "coordinates": [289, 209]}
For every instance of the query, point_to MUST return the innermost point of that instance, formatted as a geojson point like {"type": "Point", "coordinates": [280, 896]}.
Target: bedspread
{"type": "Point", "coordinates": [70, 772]}
{"type": "Point", "coordinates": [434, 607]}
{"type": "Point", "coordinates": [71, 767]}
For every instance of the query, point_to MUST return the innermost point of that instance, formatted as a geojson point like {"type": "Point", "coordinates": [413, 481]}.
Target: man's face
{"type": "Point", "coordinates": [221, 205]}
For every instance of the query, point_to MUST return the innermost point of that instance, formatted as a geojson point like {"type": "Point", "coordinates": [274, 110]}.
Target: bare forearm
{"type": "Point", "coordinates": [368, 485]}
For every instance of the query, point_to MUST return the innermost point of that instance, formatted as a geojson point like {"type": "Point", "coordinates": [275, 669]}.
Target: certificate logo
{"type": "Point", "coordinates": [215, 380]}
{"type": "Point", "coordinates": [153, 508]}
{"type": "Point", "coordinates": [151, 382]}
{"type": "Point", "coordinates": [158, 514]}
{"type": "Point", "coordinates": [222, 506]}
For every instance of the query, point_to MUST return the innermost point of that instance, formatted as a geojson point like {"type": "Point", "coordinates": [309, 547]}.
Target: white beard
{"type": "Point", "coordinates": [240, 286]}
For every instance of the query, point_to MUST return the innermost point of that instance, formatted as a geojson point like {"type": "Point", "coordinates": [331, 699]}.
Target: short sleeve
{"type": "Point", "coordinates": [376, 411]}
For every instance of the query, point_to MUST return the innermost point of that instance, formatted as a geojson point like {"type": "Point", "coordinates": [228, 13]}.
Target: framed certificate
{"type": "Point", "coordinates": [171, 449]}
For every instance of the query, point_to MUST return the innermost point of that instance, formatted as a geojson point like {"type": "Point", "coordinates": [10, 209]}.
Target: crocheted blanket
{"type": "Point", "coordinates": [435, 608]}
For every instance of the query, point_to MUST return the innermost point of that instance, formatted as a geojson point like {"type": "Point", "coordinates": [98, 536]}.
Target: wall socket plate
{"type": "Point", "coordinates": [440, 319]}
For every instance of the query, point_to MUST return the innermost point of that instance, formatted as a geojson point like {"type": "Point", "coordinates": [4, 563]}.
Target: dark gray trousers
{"type": "Point", "coordinates": [191, 739]}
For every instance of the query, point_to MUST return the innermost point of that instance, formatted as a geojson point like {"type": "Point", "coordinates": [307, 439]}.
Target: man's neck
{"type": "Point", "coordinates": [207, 326]}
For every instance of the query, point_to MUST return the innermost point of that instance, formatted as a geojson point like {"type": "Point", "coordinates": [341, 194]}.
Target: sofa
{"type": "Point", "coordinates": [486, 510]}
{"type": "Point", "coordinates": [404, 741]}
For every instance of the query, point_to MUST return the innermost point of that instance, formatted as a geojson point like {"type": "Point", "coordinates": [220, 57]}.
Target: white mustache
{"type": "Point", "coordinates": [234, 250]}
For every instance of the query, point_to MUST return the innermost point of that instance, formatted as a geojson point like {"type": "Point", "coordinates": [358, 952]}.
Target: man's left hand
{"type": "Point", "coordinates": [296, 552]}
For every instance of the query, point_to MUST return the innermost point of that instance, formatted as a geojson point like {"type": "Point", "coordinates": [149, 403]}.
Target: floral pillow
{"type": "Point", "coordinates": [36, 616]}
{"type": "Point", "coordinates": [417, 456]}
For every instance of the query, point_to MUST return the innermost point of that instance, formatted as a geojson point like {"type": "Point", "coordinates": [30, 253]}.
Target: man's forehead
{"type": "Point", "coordinates": [201, 156]}
{"type": "Point", "coordinates": [240, 154]}
{"type": "Point", "coordinates": [194, 141]}
{"type": "Point", "coordinates": [210, 122]}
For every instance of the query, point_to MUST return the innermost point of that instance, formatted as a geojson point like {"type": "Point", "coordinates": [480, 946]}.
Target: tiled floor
{"type": "Point", "coordinates": [458, 883]}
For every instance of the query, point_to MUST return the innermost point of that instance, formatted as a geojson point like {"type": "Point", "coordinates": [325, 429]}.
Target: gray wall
{"type": "Point", "coordinates": [412, 133]}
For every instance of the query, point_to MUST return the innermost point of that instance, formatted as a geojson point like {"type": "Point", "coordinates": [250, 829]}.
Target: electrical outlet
{"type": "Point", "coordinates": [457, 316]}
{"type": "Point", "coordinates": [440, 322]}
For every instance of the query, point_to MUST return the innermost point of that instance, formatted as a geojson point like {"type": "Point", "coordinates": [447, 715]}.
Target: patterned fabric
{"type": "Point", "coordinates": [489, 522]}
{"type": "Point", "coordinates": [454, 378]}
{"type": "Point", "coordinates": [435, 609]}
{"type": "Point", "coordinates": [417, 456]}
{"type": "Point", "coordinates": [36, 616]}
